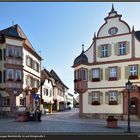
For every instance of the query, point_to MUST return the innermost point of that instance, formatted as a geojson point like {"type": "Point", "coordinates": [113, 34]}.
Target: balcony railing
{"type": "Point", "coordinates": [80, 86]}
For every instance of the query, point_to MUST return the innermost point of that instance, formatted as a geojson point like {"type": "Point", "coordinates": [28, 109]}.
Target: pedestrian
{"type": "Point", "coordinates": [39, 114]}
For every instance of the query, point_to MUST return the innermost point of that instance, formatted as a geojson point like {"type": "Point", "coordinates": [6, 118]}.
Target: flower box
{"type": "Point", "coordinates": [22, 117]}
{"type": "Point", "coordinates": [113, 103]}
{"type": "Point", "coordinates": [95, 79]}
{"type": "Point", "coordinates": [95, 103]}
{"type": "Point", "coordinates": [133, 77]}
{"type": "Point", "coordinates": [112, 78]}
{"type": "Point", "coordinates": [112, 122]}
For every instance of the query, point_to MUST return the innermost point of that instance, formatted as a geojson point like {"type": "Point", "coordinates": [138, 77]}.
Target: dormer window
{"type": "Point", "coordinates": [113, 31]}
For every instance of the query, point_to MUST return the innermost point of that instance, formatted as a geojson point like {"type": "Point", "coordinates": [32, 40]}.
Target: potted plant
{"type": "Point", "coordinates": [95, 103]}
{"type": "Point", "coordinates": [112, 122]}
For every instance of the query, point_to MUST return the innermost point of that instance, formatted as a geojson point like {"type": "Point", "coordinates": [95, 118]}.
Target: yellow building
{"type": "Point", "coordinates": [100, 72]}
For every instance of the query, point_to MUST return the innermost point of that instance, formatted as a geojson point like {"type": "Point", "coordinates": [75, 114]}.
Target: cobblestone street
{"type": "Point", "coordinates": [67, 121]}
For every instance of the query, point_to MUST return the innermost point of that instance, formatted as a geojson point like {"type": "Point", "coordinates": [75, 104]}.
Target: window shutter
{"type": "Point", "coordinates": [119, 73]}
{"type": "Point", "coordinates": [0, 54]}
{"type": "Point", "coordinates": [116, 48]}
{"type": "Point", "coordinates": [0, 76]}
{"type": "Point", "coordinates": [4, 75]}
{"type": "Point", "coordinates": [107, 97]}
{"type": "Point", "coordinates": [119, 97]}
{"type": "Point", "coordinates": [101, 97]}
{"type": "Point", "coordinates": [90, 75]}
{"type": "Point", "coordinates": [109, 49]}
{"type": "Point", "coordinates": [4, 54]}
{"type": "Point", "coordinates": [90, 98]}
{"type": "Point", "coordinates": [106, 74]}
{"type": "Point", "coordinates": [99, 51]}
{"type": "Point", "coordinates": [127, 47]}
{"type": "Point", "coordinates": [101, 74]}
{"type": "Point", "coordinates": [139, 71]}
{"type": "Point", "coordinates": [126, 72]}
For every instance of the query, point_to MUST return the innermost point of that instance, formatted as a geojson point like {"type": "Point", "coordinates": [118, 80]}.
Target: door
{"type": "Point", "coordinates": [133, 108]}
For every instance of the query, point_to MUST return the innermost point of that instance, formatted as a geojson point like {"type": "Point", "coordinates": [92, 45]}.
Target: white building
{"type": "Point", "coordinates": [103, 69]}
{"type": "Point", "coordinates": [19, 71]}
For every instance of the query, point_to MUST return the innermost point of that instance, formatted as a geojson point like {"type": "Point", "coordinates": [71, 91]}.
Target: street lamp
{"type": "Point", "coordinates": [128, 87]}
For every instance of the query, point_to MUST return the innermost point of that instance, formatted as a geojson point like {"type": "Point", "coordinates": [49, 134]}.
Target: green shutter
{"type": "Point", "coordinates": [107, 74]}
{"type": "Point", "coordinates": [101, 97]}
{"type": "Point", "coordinates": [119, 97]}
{"type": "Point", "coordinates": [126, 72]}
{"type": "Point", "coordinates": [119, 72]}
{"type": "Point", "coordinates": [127, 47]}
{"type": "Point", "coordinates": [107, 97]}
{"type": "Point", "coordinates": [90, 75]}
{"type": "Point", "coordinates": [116, 48]}
{"type": "Point", "coordinates": [139, 71]}
{"type": "Point", "coordinates": [90, 98]}
{"type": "Point", "coordinates": [99, 51]}
{"type": "Point", "coordinates": [109, 49]}
{"type": "Point", "coordinates": [101, 74]}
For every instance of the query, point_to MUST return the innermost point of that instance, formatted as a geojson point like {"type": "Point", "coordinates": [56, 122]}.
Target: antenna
{"type": "Point", "coordinates": [12, 22]}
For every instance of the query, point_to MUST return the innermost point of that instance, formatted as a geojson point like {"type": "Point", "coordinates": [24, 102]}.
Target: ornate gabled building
{"type": "Point", "coordinates": [19, 71]}
{"type": "Point", "coordinates": [100, 72]}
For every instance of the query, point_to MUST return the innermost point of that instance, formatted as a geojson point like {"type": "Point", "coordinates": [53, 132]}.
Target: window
{"type": "Point", "coordinates": [96, 98]}
{"type": "Point", "coordinates": [27, 80]}
{"type": "Point", "coordinates": [18, 75]}
{"type": "Point", "coordinates": [22, 101]}
{"type": "Point", "coordinates": [113, 73]}
{"type": "Point", "coordinates": [113, 97]}
{"type": "Point", "coordinates": [10, 52]}
{"type": "Point", "coordinates": [83, 74]}
{"type": "Point", "coordinates": [0, 76]}
{"type": "Point", "coordinates": [4, 76]}
{"type": "Point", "coordinates": [4, 54]}
{"type": "Point", "coordinates": [113, 30]}
{"type": "Point", "coordinates": [96, 74]}
{"type": "Point", "coordinates": [28, 61]}
{"type": "Point", "coordinates": [18, 52]}
{"type": "Point", "coordinates": [122, 48]}
{"type": "Point", "coordinates": [6, 101]}
{"type": "Point", "coordinates": [133, 72]}
{"type": "Point", "coordinates": [104, 51]}
{"type": "Point", "coordinates": [9, 74]}
{"type": "Point", "coordinates": [0, 54]}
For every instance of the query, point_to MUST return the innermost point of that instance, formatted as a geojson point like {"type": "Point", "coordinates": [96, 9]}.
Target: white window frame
{"type": "Point", "coordinates": [133, 70]}
{"type": "Point", "coordinates": [18, 52]}
{"type": "Point", "coordinates": [113, 96]}
{"type": "Point", "coordinates": [122, 48]}
{"type": "Point", "coordinates": [113, 72]}
{"type": "Point", "coordinates": [96, 73]}
{"type": "Point", "coordinates": [10, 74]}
{"type": "Point", "coordinates": [96, 96]}
{"type": "Point", "coordinates": [19, 72]}
{"type": "Point", "coordinates": [104, 50]}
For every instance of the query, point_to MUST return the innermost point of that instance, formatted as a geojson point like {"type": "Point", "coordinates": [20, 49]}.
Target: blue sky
{"type": "Point", "coordinates": [58, 29]}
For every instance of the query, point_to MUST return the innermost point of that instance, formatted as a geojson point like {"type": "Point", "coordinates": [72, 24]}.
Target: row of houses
{"type": "Point", "coordinates": [23, 84]}
{"type": "Point", "coordinates": [100, 72]}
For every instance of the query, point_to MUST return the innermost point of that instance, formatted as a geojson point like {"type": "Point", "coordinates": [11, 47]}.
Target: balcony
{"type": "Point", "coordinates": [80, 86]}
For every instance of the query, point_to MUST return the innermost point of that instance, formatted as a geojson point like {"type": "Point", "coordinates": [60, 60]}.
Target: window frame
{"type": "Point", "coordinates": [122, 48]}
{"type": "Point", "coordinates": [104, 50]}
{"type": "Point", "coordinates": [113, 75]}
{"type": "Point", "coordinates": [133, 70]}
{"type": "Point", "coordinates": [11, 77]}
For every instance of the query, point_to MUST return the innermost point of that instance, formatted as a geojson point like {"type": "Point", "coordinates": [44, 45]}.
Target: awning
{"type": "Point", "coordinates": [4, 94]}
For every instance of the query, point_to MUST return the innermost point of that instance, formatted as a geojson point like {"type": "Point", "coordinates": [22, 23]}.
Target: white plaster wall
{"type": "Point", "coordinates": [50, 88]}
{"type": "Point", "coordinates": [137, 48]}
{"type": "Point", "coordinates": [113, 41]}
{"type": "Point", "coordinates": [103, 108]}
{"type": "Point", "coordinates": [118, 83]}
{"type": "Point", "coordinates": [14, 42]}
{"type": "Point", "coordinates": [89, 54]}
{"type": "Point", "coordinates": [113, 22]}
{"type": "Point", "coordinates": [25, 52]}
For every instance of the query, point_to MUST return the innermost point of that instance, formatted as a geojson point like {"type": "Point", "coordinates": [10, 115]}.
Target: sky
{"type": "Point", "coordinates": [58, 29]}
